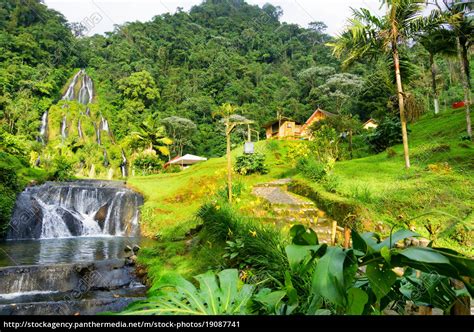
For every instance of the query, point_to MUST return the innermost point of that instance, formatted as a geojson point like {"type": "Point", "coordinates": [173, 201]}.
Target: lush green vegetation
{"type": "Point", "coordinates": [160, 85]}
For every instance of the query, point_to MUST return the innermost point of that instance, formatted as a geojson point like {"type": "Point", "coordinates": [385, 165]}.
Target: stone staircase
{"type": "Point", "coordinates": [283, 209]}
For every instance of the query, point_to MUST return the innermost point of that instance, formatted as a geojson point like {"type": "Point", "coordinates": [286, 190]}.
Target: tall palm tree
{"type": "Point", "coordinates": [371, 36]}
{"type": "Point", "coordinates": [437, 41]}
{"type": "Point", "coordinates": [457, 13]}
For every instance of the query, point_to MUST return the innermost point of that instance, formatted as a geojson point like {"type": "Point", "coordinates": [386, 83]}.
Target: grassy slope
{"type": "Point", "coordinates": [390, 193]}
{"type": "Point", "coordinates": [394, 195]}
{"type": "Point", "coordinates": [172, 199]}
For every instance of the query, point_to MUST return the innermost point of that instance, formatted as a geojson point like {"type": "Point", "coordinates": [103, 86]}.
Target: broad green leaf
{"type": "Point", "coordinates": [357, 299]}
{"type": "Point", "coordinates": [385, 253]}
{"type": "Point", "coordinates": [464, 265]}
{"type": "Point", "coordinates": [381, 279]}
{"type": "Point", "coordinates": [297, 254]}
{"type": "Point", "coordinates": [228, 288]}
{"type": "Point", "coordinates": [209, 289]}
{"type": "Point", "coordinates": [397, 236]}
{"type": "Point", "coordinates": [328, 277]}
{"type": "Point", "coordinates": [302, 236]}
{"type": "Point", "coordinates": [270, 299]}
{"type": "Point", "coordinates": [358, 243]}
{"type": "Point", "coordinates": [424, 255]}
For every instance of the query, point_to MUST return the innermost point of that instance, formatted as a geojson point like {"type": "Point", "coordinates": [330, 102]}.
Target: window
{"type": "Point", "coordinates": [288, 125]}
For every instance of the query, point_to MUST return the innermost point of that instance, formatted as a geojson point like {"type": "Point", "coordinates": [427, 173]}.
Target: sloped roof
{"type": "Point", "coordinates": [187, 159]}
{"type": "Point", "coordinates": [370, 120]}
{"type": "Point", "coordinates": [271, 123]}
{"type": "Point", "coordinates": [328, 114]}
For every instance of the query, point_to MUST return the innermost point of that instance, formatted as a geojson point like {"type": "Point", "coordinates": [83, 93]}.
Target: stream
{"type": "Point", "coordinates": [65, 250]}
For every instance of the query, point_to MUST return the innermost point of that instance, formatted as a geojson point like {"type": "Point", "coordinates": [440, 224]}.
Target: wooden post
{"type": "Point", "coordinates": [462, 306]}
{"type": "Point", "coordinates": [249, 135]}
{"type": "Point", "coordinates": [347, 237]}
{"type": "Point", "coordinates": [333, 232]}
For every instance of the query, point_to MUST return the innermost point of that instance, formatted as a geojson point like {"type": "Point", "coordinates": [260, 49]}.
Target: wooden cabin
{"type": "Point", "coordinates": [282, 128]}
{"type": "Point", "coordinates": [286, 128]}
{"type": "Point", "coordinates": [317, 115]}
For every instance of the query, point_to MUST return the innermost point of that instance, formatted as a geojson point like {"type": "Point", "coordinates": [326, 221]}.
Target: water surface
{"type": "Point", "coordinates": [65, 250]}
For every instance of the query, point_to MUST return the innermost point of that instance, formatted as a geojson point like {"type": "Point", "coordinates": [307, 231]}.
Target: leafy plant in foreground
{"type": "Point", "coordinates": [224, 295]}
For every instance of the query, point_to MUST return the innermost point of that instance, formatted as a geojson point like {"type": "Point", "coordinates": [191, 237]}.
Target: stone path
{"type": "Point", "coordinates": [288, 208]}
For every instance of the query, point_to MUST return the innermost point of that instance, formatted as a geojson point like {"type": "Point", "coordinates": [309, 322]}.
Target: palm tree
{"type": "Point", "coordinates": [437, 41]}
{"type": "Point", "coordinates": [372, 36]}
{"type": "Point", "coordinates": [462, 24]}
{"type": "Point", "coordinates": [152, 137]}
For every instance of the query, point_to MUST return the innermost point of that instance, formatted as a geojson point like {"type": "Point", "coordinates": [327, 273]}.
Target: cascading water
{"type": "Point", "coordinates": [123, 165]}
{"type": "Point", "coordinates": [44, 127]}
{"type": "Point", "coordinates": [75, 209]}
{"type": "Point", "coordinates": [64, 127]}
{"type": "Point", "coordinates": [69, 95]}
{"type": "Point", "coordinates": [97, 133]}
{"type": "Point", "coordinates": [104, 124]}
{"type": "Point", "coordinates": [79, 129]}
{"type": "Point", "coordinates": [86, 92]}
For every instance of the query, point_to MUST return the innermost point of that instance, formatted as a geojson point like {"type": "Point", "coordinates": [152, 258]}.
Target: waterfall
{"type": "Point", "coordinates": [69, 95]}
{"type": "Point", "coordinates": [88, 111]}
{"type": "Point", "coordinates": [44, 127]}
{"type": "Point", "coordinates": [106, 159]}
{"type": "Point", "coordinates": [64, 127]}
{"type": "Point", "coordinates": [111, 226]}
{"type": "Point", "coordinates": [79, 128]}
{"type": "Point", "coordinates": [53, 225]}
{"type": "Point", "coordinates": [71, 209]}
{"type": "Point", "coordinates": [104, 124]}
{"type": "Point", "coordinates": [97, 133]}
{"type": "Point", "coordinates": [86, 91]}
{"type": "Point", "coordinates": [123, 165]}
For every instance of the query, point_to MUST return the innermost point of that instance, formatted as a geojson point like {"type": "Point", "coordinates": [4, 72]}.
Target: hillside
{"type": "Point", "coordinates": [434, 193]}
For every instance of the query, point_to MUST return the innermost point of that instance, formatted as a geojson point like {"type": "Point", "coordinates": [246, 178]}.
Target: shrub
{"type": "Point", "coordinates": [331, 182]}
{"type": "Point", "coordinates": [62, 169]}
{"type": "Point", "coordinates": [391, 153]}
{"type": "Point", "coordinates": [251, 163]}
{"type": "Point", "coordinates": [147, 163]}
{"type": "Point", "coordinates": [311, 168]}
{"type": "Point", "coordinates": [388, 133]}
{"type": "Point", "coordinates": [257, 245]}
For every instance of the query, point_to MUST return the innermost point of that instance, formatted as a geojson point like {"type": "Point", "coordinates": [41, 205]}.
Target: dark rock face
{"type": "Point", "coordinates": [78, 208]}
{"type": "Point", "coordinates": [85, 288]}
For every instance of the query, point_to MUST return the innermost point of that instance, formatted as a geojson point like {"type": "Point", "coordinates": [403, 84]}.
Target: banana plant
{"type": "Point", "coordinates": [360, 280]}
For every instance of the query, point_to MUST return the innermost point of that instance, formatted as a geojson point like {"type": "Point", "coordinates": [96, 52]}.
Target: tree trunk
{"type": "Point", "coordinates": [433, 83]}
{"type": "Point", "coordinates": [229, 164]}
{"type": "Point", "coordinates": [350, 142]}
{"type": "Point", "coordinates": [465, 83]}
{"type": "Point", "coordinates": [401, 104]}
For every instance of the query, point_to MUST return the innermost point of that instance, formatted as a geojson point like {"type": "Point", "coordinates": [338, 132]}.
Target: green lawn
{"type": "Point", "coordinates": [434, 194]}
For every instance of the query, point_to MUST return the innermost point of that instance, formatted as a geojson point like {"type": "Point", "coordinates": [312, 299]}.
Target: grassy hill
{"type": "Point", "coordinates": [434, 196]}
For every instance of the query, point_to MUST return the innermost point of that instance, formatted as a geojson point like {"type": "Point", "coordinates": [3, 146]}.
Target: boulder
{"type": "Point", "coordinates": [101, 215]}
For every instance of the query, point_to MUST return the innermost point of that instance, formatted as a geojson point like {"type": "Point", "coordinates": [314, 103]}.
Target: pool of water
{"type": "Point", "coordinates": [66, 250]}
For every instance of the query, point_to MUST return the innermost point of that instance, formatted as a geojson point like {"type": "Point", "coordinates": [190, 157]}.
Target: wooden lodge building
{"type": "Point", "coordinates": [286, 128]}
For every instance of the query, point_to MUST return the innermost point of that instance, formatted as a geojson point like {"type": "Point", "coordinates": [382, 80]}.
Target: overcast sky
{"type": "Point", "coordinates": [101, 15]}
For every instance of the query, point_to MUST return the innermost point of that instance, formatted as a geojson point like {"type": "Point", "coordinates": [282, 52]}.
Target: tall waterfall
{"type": "Point", "coordinates": [80, 208]}
{"type": "Point", "coordinates": [64, 127]}
{"type": "Point", "coordinates": [104, 124]}
{"type": "Point", "coordinates": [79, 129]}
{"type": "Point", "coordinates": [44, 127]}
{"type": "Point", "coordinates": [123, 165]}
{"type": "Point", "coordinates": [86, 91]}
{"type": "Point", "coordinates": [69, 95]}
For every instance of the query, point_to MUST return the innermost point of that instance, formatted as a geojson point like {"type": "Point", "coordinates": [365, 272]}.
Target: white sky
{"type": "Point", "coordinates": [101, 15]}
